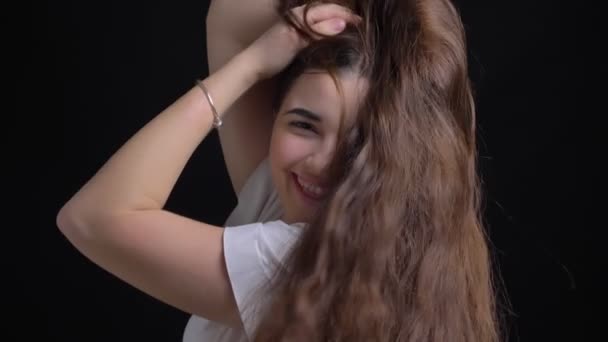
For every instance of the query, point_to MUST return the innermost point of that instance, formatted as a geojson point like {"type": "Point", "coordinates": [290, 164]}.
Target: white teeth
{"type": "Point", "coordinates": [317, 191]}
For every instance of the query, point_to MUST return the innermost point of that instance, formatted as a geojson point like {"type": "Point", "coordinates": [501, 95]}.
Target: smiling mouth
{"type": "Point", "coordinates": [308, 191]}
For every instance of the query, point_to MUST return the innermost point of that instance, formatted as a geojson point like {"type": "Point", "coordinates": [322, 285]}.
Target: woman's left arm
{"type": "Point", "coordinates": [142, 173]}
{"type": "Point", "coordinates": [117, 219]}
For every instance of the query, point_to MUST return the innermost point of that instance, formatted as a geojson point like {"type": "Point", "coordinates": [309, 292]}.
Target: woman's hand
{"type": "Point", "coordinates": [277, 47]}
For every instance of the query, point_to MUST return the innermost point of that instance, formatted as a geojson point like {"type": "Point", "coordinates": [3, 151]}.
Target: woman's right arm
{"type": "Point", "coordinates": [231, 26]}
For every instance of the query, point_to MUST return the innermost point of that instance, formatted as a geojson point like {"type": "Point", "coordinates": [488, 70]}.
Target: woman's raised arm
{"type": "Point", "coordinates": [231, 26]}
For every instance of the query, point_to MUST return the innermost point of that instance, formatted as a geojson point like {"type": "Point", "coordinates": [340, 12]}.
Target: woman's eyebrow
{"type": "Point", "coordinates": [305, 113]}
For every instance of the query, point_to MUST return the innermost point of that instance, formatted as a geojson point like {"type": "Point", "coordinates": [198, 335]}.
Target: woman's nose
{"type": "Point", "coordinates": [318, 162]}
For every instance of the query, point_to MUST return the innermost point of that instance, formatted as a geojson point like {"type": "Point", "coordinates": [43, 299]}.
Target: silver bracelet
{"type": "Point", "coordinates": [217, 122]}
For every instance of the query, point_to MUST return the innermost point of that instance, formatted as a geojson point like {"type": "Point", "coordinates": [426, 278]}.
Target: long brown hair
{"type": "Point", "coordinates": [399, 251]}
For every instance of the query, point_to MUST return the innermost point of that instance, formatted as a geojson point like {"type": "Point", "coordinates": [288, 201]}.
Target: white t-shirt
{"type": "Point", "coordinates": [256, 242]}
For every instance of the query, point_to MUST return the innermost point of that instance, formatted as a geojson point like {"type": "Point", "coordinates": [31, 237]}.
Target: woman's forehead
{"type": "Point", "coordinates": [317, 91]}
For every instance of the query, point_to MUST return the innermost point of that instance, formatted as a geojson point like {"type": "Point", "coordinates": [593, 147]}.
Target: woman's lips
{"type": "Point", "coordinates": [306, 194]}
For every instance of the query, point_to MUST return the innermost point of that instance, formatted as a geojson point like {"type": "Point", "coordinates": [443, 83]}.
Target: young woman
{"type": "Point", "coordinates": [348, 131]}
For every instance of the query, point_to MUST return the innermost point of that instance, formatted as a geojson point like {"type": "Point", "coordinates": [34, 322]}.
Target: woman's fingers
{"type": "Point", "coordinates": [329, 27]}
{"type": "Point", "coordinates": [277, 47]}
{"type": "Point", "coordinates": [325, 19]}
{"type": "Point", "coordinates": [319, 13]}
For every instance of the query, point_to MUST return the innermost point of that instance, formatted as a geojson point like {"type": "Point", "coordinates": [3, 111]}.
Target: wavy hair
{"type": "Point", "coordinates": [398, 253]}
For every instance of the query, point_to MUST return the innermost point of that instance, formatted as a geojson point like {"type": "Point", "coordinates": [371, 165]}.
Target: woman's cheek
{"type": "Point", "coordinates": [291, 147]}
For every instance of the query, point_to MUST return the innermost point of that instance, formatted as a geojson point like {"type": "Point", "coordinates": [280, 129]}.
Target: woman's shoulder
{"type": "Point", "coordinates": [253, 253]}
{"type": "Point", "coordinates": [267, 242]}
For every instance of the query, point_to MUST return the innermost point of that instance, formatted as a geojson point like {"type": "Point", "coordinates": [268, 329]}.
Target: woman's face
{"type": "Point", "coordinates": [304, 139]}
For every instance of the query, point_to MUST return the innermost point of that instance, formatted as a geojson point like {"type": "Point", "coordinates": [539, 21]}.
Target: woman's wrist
{"type": "Point", "coordinates": [249, 65]}
{"type": "Point", "coordinates": [230, 81]}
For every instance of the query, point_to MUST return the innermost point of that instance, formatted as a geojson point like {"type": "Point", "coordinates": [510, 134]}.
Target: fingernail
{"type": "Point", "coordinates": [339, 24]}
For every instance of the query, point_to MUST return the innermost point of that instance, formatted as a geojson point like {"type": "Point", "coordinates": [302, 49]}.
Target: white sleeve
{"type": "Point", "coordinates": [252, 253]}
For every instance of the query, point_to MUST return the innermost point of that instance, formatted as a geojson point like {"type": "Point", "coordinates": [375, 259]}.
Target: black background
{"type": "Point", "coordinates": [91, 73]}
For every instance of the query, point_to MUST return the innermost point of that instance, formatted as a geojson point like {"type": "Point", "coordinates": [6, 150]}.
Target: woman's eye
{"type": "Point", "coordinates": [303, 125]}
